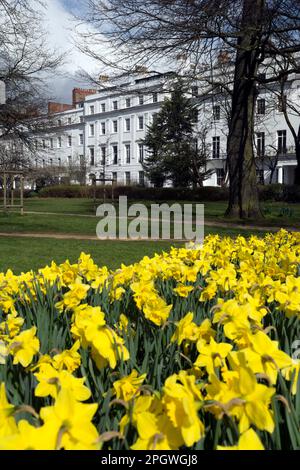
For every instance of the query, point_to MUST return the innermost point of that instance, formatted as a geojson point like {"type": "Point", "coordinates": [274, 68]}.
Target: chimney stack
{"type": "Point", "coordinates": [79, 95]}
{"type": "Point", "coordinates": [58, 107]}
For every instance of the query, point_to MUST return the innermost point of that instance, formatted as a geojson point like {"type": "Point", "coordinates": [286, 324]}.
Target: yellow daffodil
{"type": "Point", "coordinates": [51, 381]}
{"type": "Point", "coordinates": [128, 387]}
{"type": "Point", "coordinates": [212, 355]}
{"type": "Point", "coordinates": [186, 329]}
{"type": "Point", "coordinates": [68, 359]}
{"type": "Point", "coordinates": [182, 290]}
{"type": "Point", "coordinates": [72, 422]}
{"type": "Point", "coordinates": [24, 347]}
{"type": "Point", "coordinates": [7, 421]}
{"type": "Point", "coordinates": [249, 440]}
{"type": "Point", "coordinates": [182, 400]}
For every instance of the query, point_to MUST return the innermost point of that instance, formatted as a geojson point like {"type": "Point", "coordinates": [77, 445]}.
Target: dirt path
{"type": "Point", "coordinates": [208, 223]}
{"type": "Point", "coordinates": [73, 236]}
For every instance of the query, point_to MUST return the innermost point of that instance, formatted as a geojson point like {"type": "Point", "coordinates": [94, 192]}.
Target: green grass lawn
{"type": "Point", "coordinates": [22, 254]}
{"type": "Point", "coordinates": [276, 213]}
{"type": "Point", "coordinates": [63, 224]}
{"type": "Point", "coordinates": [25, 254]}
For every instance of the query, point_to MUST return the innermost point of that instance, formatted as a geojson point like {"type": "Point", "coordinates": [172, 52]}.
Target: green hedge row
{"type": "Point", "coordinates": [280, 192]}
{"type": "Point", "coordinates": [138, 193]}
{"type": "Point", "coordinates": [272, 192]}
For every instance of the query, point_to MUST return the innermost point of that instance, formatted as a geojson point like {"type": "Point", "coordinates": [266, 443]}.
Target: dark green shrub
{"type": "Point", "coordinates": [138, 193]}
{"type": "Point", "coordinates": [271, 192]}
{"type": "Point", "coordinates": [291, 193]}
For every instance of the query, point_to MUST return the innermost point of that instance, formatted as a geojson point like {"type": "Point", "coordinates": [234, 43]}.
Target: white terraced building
{"type": "Point", "coordinates": [104, 130]}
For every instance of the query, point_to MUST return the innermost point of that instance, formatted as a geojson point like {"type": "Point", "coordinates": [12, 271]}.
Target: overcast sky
{"type": "Point", "coordinates": [60, 26]}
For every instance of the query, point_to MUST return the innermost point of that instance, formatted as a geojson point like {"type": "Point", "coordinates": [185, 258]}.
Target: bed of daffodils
{"type": "Point", "coordinates": [192, 349]}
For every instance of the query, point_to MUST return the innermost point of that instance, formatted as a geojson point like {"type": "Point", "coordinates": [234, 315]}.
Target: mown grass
{"type": "Point", "coordinates": [276, 213]}
{"type": "Point", "coordinates": [25, 254]}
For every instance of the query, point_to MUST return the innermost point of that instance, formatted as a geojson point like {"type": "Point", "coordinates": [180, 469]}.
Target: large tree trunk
{"type": "Point", "coordinates": [297, 149]}
{"type": "Point", "coordinates": [243, 192]}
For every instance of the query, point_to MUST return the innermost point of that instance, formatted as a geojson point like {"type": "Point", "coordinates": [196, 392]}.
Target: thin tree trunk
{"type": "Point", "coordinates": [243, 191]}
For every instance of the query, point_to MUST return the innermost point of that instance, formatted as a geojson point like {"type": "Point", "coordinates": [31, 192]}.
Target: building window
{"type": "Point", "coordinates": [216, 113]}
{"type": "Point", "coordinates": [43, 163]}
{"type": "Point", "coordinates": [128, 153]}
{"type": "Point", "coordinates": [59, 161]}
{"type": "Point", "coordinates": [115, 176]}
{"type": "Point", "coordinates": [261, 106]}
{"type": "Point", "coordinates": [103, 128]}
{"type": "Point", "coordinates": [51, 143]}
{"type": "Point", "coordinates": [92, 156]}
{"type": "Point", "coordinates": [51, 161]}
{"type": "Point", "coordinates": [220, 176]}
{"type": "Point", "coordinates": [141, 100]}
{"type": "Point", "coordinates": [69, 121]}
{"type": "Point", "coordinates": [127, 125]}
{"type": "Point", "coordinates": [92, 130]}
{"type": "Point", "coordinates": [103, 107]}
{"type": "Point", "coordinates": [59, 122]}
{"type": "Point", "coordinates": [59, 142]}
{"type": "Point", "coordinates": [141, 152]}
{"type": "Point", "coordinates": [115, 126]}
{"type": "Point", "coordinates": [81, 119]}
{"type": "Point", "coordinates": [216, 147]}
{"type": "Point", "coordinates": [127, 177]}
{"type": "Point", "coordinates": [92, 109]}
{"type": "Point", "coordinates": [115, 154]}
{"type": "Point", "coordinates": [128, 102]}
{"type": "Point", "coordinates": [142, 178]}
{"type": "Point", "coordinates": [69, 160]}
{"type": "Point", "coordinates": [103, 156]}
{"type": "Point", "coordinates": [260, 143]}
{"type": "Point", "coordinates": [69, 141]}
{"type": "Point", "coordinates": [80, 139]}
{"type": "Point", "coordinates": [44, 144]}
{"type": "Point", "coordinates": [195, 91]}
{"type": "Point", "coordinates": [115, 105]}
{"type": "Point", "coordinates": [155, 97]}
{"type": "Point", "coordinates": [141, 122]}
{"type": "Point", "coordinates": [282, 100]}
{"type": "Point", "coordinates": [281, 135]}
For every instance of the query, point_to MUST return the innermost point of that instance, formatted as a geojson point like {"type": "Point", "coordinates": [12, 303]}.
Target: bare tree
{"type": "Point", "coordinates": [254, 31]}
{"type": "Point", "coordinates": [25, 63]}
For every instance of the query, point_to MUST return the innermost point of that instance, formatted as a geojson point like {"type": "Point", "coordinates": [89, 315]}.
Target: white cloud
{"type": "Point", "coordinates": [60, 26]}
{"type": "Point", "coordinates": [62, 36]}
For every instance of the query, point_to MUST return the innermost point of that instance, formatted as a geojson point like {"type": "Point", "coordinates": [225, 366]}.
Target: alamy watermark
{"type": "Point", "coordinates": [296, 350]}
{"type": "Point", "coordinates": [155, 222]}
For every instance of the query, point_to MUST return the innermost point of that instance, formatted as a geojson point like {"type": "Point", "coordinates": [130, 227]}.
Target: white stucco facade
{"type": "Point", "coordinates": [106, 131]}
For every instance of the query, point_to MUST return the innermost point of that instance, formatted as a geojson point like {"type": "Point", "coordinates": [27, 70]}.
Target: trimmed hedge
{"type": "Point", "coordinates": [271, 192]}
{"type": "Point", "coordinates": [138, 193]}
{"type": "Point", "coordinates": [280, 193]}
